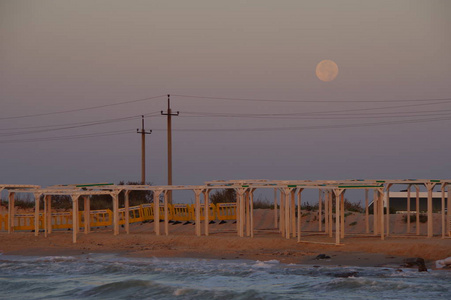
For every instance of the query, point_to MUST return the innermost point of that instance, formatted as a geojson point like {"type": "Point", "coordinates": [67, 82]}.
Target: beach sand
{"type": "Point", "coordinates": [358, 249]}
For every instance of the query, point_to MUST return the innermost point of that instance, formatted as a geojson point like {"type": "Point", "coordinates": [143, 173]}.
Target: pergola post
{"type": "Point", "coordinates": [299, 213]}
{"type": "Point", "coordinates": [166, 213]}
{"type": "Point", "coordinates": [342, 211]}
{"type": "Point", "coordinates": [248, 213]}
{"type": "Point", "coordinates": [156, 211]}
{"type": "Point", "coordinates": [251, 192]}
{"type": "Point", "coordinates": [367, 214]}
{"type": "Point", "coordinates": [46, 209]}
{"type": "Point", "coordinates": [376, 210]}
{"type": "Point", "coordinates": [74, 217]}
{"type": "Point", "coordinates": [381, 212]}
{"type": "Point", "coordinates": [408, 208]}
{"type": "Point", "coordinates": [320, 208]}
{"type": "Point", "coordinates": [37, 197]}
{"type": "Point", "coordinates": [241, 210]}
{"type": "Point", "coordinates": [417, 207]}
{"type": "Point", "coordinates": [48, 200]}
{"type": "Point", "coordinates": [326, 211]}
{"type": "Point", "coordinates": [11, 211]}
{"type": "Point", "coordinates": [127, 211]}
{"type": "Point", "coordinates": [207, 210]}
{"type": "Point", "coordinates": [443, 210]}
{"type": "Point", "coordinates": [337, 193]}
{"type": "Point", "coordinates": [197, 193]}
{"type": "Point", "coordinates": [287, 225]}
{"type": "Point", "coordinates": [293, 212]}
{"type": "Point", "coordinates": [449, 212]}
{"type": "Point", "coordinates": [276, 216]}
{"type": "Point", "coordinates": [282, 213]}
{"type": "Point", "coordinates": [387, 199]}
{"type": "Point", "coordinates": [115, 212]}
{"type": "Point", "coordinates": [87, 214]}
{"type": "Point", "coordinates": [331, 224]}
{"type": "Point", "coordinates": [430, 186]}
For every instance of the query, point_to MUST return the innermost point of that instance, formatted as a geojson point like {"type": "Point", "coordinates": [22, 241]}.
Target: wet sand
{"type": "Point", "coordinates": [358, 249]}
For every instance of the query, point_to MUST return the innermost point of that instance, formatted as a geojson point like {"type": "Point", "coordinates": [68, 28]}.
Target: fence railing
{"type": "Point", "coordinates": [140, 213]}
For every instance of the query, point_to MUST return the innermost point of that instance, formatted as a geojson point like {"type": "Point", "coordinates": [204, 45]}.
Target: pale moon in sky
{"type": "Point", "coordinates": [326, 70]}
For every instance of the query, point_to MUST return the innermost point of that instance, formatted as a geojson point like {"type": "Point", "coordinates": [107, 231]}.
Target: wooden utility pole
{"type": "Point", "coordinates": [169, 114]}
{"type": "Point", "coordinates": [143, 150]}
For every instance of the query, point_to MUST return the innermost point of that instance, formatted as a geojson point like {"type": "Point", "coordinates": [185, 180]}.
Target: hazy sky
{"type": "Point", "coordinates": [68, 55]}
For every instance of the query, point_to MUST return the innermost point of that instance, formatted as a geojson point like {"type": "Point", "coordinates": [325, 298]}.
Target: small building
{"type": "Point", "coordinates": [398, 201]}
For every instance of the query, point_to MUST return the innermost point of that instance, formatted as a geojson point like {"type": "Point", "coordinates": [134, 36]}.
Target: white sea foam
{"type": "Point", "coordinates": [113, 277]}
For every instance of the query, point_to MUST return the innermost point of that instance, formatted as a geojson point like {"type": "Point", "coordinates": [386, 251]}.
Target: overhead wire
{"type": "Point", "coordinates": [69, 137]}
{"type": "Point", "coordinates": [347, 114]}
{"type": "Point", "coordinates": [81, 109]}
{"type": "Point", "coordinates": [50, 128]}
{"type": "Point", "coordinates": [307, 101]}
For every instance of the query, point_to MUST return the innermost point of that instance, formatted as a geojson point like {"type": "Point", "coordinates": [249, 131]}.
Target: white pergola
{"type": "Point", "coordinates": [290, 190]}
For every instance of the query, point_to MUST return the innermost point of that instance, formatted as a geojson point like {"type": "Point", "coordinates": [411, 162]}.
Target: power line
{"type": "Point", "coordinates": [326, 113]}
{"type": "Point", "coordinates": [317, 116]}
{"type": "Point", "coordinates": [309, 101]}
{"type": "Point", "coordinates": [71, 125]}
{"type": "Point", "coordinates": [81, 109]}
{"type": "Point", "coordinates": [290, 128]}
{"type": "Point", "coordinates": [69, 137]}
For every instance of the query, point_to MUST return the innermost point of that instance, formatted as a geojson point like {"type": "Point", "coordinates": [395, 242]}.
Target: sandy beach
{"type": "Point", "coordinates": [358, 249]}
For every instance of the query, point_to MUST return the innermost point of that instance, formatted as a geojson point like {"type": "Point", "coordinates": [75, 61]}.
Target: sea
{"type": "Point", "coordinates": [111, 276]}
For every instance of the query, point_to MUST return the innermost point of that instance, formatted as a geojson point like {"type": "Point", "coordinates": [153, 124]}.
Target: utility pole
{"type": "Point", "coordinates": [143, 150]}
{"type": "Point", "coordinates": [169, 114]}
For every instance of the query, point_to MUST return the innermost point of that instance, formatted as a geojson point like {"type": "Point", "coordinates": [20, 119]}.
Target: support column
{"type": "Point", "coordinates": [248, 213]}
{"type": "Point", "coordinates": [326, 211]}
{"type": "Point", "coordinates": [367, 214]}
{"type": "Point", "coordinates": [443, 210]}
{"type": "Point", "coordinates": [376, 210]}
{"type": "Point", "coordinates": [241, 210]}
{"type": "Point", "coordinates": [293, 213]}
{"type": "Point", "coordinates": [242, 213]}
{"type": "Point", "coordinates": [381, 212]}
{"type": "Point", "coordinates": [337, 193]}
{"type": "Point", "coordinates": [299, 214]}
{"type": "Point", "coordinates": [449, 212]}
{"type": "Point", "coordinates": [207, 210]}
{"type": "Point", "coordinates": [74, 217]}
{"type": "Point", "coordinates": [251, 192]}
{"type": "Point", "coordinates": [127, 211]}
{"type": "Point", "coordinates": [417, 207]}
{"type": "Point", "coordinates": [342, 218]}
{"type": "Point", "coordinates": [287, 197]}
{"type": "Point", "coordinates": [331, 223]}
{"type": "Point", "coordinates": [430, 186]}
{"type": "Point", "coordinates": [166, 214]}
{"type": "Point", "coordinates": [115, 198]}
{"type": "Point", "coordinates": [156, 211]}
{"type": "Point", "coordinates": [282, 213]}
{"type": "Point", "coordinates": [87, 213]}
{"type": "Point", "coordinates": [408, 208]}
{"type": "Point", "coordinates": [49, 214]}
{"type": "Point", "coordinates": [197, 193]}
{"type": "Point", "coordinates": [275, 209]}
{"type": "Point", "coordinates": [46, 215]}
{"type": "Point", "coordinates": [37, 197]}
{"type": "Point", "coordinates": [320, 208]}
{"type": "Point", "coordinates": [11, 211]}
{"type": "Point", "coordinates": [387, 199]}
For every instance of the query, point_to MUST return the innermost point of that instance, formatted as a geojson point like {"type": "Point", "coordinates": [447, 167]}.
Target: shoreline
{"type": "Point", "coordinates": [355, 252]}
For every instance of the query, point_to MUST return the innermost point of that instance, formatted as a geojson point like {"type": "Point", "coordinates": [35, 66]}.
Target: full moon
{"type": "Point", "coordinates": [326, 70]}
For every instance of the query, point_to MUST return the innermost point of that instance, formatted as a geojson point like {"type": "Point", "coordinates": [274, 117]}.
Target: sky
{"type": "Point", "coordinates": [75, 77]}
